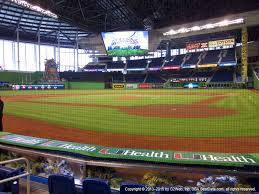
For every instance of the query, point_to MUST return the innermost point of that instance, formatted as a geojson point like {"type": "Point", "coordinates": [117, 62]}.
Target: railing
{"type": "Point", "coordinates": [21, 175]}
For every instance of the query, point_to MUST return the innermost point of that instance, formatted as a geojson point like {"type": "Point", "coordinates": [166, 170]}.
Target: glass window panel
{"type": "Point", "coordinates": [8, 55]}
{"type": "Point", "coordinates": [2, 63]}
{"type": "Point", "coordinates": [31, 63]}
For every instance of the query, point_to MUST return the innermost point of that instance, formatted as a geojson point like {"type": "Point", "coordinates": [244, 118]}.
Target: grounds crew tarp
{"type": "Point", "coordinates": [177, 157]}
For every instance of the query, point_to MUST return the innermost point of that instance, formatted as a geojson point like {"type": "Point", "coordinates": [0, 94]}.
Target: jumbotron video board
{"type": "Point", "coordinates": [126, 43]}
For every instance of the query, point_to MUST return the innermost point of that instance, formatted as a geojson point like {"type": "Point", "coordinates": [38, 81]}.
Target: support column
{"type": "Point", "coordinates": [39, 58]}
{"type": "Point", "coordinates": [74, 54]}
{"type": "Point", "coordinates": [3, 55]}
{"type": "Point", "coordinates": [18, 47]}
{"type": "Point", "coordinates": [77, 56]}
{"type": "Point", "coordinates": [59, 51]}
{"type": "Point", "coordinates": [168, 50]}
{"type": "Point", "coordinates": [55, 54]}
{"type": "Point", "coordinates": [244, 54]}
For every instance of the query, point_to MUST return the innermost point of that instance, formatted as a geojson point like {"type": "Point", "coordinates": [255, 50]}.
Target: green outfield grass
{"type": "Point", "coordinates": [244, 123]}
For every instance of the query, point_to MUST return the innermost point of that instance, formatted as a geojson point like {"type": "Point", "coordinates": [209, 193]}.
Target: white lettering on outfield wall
{"type": "Point", "coordinates": [240, 159]}
{"type": "Point", "coordinates": [78, 148]}
{"type": "Point", "coordinates": [25, 141]}
{"type": "Point", "coordinates": [146, 154]}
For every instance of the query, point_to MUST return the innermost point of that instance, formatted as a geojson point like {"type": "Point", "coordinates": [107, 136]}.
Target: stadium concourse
{"type": "Point", "coordinates": [116, 96]}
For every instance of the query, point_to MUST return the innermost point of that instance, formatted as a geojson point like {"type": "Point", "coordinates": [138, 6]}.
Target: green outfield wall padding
{"type": "Point", "coordinates": [161, 156]}
{"type": "Point", "coordinates": [84, 85]}
{"type": "Point", "coordinates": [256, 81]}
{"type": "Point", "coordinates": [21, 77]}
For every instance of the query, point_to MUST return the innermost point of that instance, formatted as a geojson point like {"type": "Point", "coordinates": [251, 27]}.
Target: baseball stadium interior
{"type": "Point", "coordinates": [129, 96]}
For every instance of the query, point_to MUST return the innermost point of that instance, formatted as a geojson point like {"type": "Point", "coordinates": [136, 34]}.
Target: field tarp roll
{"type": "Point", "coordinates": [85, 85]}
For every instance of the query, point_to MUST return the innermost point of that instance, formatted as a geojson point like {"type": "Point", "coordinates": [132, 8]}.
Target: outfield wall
{"type": "Point", "coordinates": [20, 77]}
{"type": "Point", "coordinates": [84, 85]}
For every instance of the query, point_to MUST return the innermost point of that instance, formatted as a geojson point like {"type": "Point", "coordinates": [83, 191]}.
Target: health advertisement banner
{"type": "Point", "coordinates": [168, 156]}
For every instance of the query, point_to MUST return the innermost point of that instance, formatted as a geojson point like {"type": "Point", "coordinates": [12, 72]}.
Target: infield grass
{"type": "Point", "coordinates": [244, 123]}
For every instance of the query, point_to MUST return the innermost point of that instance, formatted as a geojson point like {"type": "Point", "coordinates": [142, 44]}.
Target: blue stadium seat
{"type": "Point", "coordinates": [94, 68]}
{"type": "Point", "coordinates": [135, 78]}
{"type": "Point", "coordinates": [140, 63]}
{"type": "Point", "coordinates": [115, 65]}
{"type": "Point", "coordinates": [12, 186]}
{"type": "Point", "coordinates": [154, 78]}
{"type": "Point", "coordinates": [61, 184]}
{"type": "Point", "coordinates": [211, 57]}
{"type": "Point", "coordinates": [156, 62]}
{"type": "Point", "coordinates": [193, 60]}
{"type": "Point", "coordinates": [223, 76]}
{"type": "Point", "coordinates": [95, 185]}
{"type": "Point", "coordinates": [175, 61]}
{"type": "Point", "coordinates": [254, 182]}
{"type": "Point", "coordinates": [230, 56]}
{"type": "Point", "coordinates": [125, 188]}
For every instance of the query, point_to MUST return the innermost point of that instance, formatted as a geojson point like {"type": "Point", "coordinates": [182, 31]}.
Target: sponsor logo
{"type": "Point", "coordinates": [134, 153]}
{"type": "Point", "coordinates": [207, 65]}
{"type": "Point", "coordinates": [131, 86]}
{"type": "Point", "coordinates": [69, 146]}
{"type": "Point", "coordinates": [199, 45]}
{"type": "Point", "coordinates": [118, 86]}
{"type": "Point", "coordinates": [23, 139]}
{"type": "Point", "coordinates": [220, 43]}
{"type": "Point", "coordinates": [142, 86]}
{"type": "Point", "coordinates": [214, 158]}
{"type": "Point", "coordinates": [171, 67]}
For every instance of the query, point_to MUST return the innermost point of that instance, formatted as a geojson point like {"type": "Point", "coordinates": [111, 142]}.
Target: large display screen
{"type": "Point", "coordinates": [127, 43]}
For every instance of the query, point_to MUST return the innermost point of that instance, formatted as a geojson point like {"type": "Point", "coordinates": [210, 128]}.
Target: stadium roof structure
{"type": "Point", "coordinates": [30, 23]}
{"type": "Point", "coordinates": [114, 15]}
{"type": "Point", "coordinates": [89, 17]}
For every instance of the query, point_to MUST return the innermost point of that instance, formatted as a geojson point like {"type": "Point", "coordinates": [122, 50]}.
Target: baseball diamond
{"type": "Point", "coordinates": [181, 120]}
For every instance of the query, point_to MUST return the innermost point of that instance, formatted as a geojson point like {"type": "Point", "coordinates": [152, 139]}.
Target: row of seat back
{"type": "Point", "coordinates": [61, 184]}
{"type": "Point", "coordinates": [11, 186]}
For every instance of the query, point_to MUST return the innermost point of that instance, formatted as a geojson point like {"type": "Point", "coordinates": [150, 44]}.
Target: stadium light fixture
{"type": "Point", "coordinates": [204, 27]}
{"type": "Point", "coordinates": [34, 8]}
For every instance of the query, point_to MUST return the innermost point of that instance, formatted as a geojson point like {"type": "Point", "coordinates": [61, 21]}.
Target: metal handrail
{"type": "Point", "coordinates": [27, 174]}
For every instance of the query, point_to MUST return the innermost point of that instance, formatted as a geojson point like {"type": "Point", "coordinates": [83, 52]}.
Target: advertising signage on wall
{"type": "Point", "coordinates": [164, 156]}
{"type": "Point", "coordinates": [220, 43]}
{"type": "Point", "coordinates": [39, 87]}
{"type": "Point", "coordinates": [199, 45]}
{"type": "Point", "coordinates": [118, 86]}
{"type": "Point", "coordinates": [210, 44]}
